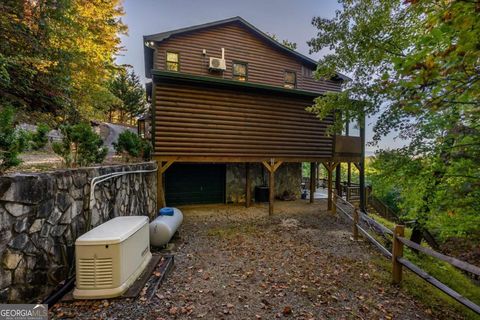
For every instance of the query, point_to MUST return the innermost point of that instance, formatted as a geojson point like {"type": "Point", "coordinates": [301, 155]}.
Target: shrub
{"type": "Point", "coordinates": [130, 145]}
{"type": "Point", "coordinates": [12, 141]}
{"type": "Point", "coordinates": [39, 138]}
{"type": "Point", "coordinates": [80, 145]}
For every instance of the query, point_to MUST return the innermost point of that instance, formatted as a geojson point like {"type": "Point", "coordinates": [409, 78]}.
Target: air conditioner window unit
{"type": "Point", "coordinates": [217, 64]}
{"type": "Point", "coordinates": [110, 257]}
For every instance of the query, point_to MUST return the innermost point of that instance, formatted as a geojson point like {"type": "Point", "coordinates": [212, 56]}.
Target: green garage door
{"type": "Point", "coordinates": [187, 183]}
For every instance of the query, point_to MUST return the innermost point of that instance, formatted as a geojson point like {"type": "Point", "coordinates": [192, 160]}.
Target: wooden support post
{"type": "Point", "coordinates": [318, 175]}
{"type": "Point", "coordinates": [397, 252]}
{"type": "Point", "coordinates": [272, 167]}
{"type": "Point", "coordinates": [271, 189]}
{"type": "Point", "coordinates": [338, 180]}
{"type": "Point", "coordinates": [329, 187]}
{"type": "Point", "coordinates": [355, 224]}
{"type": "Point", "coordinates": [363, 203]}
{"type": "Point", "coordinates": [312, 182]}
{"type": "Point", "coordinates": [162, 167]}
{"type": "Point", "coordinates": [160, 192]}
{"type": "Point", "coordinates": [349, 174]}
{"type": "Point", "coordinates": [248, 186]}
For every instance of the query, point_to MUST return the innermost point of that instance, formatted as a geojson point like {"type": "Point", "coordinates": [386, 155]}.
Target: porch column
{"type": "Point", "coordinates": [271, 167]}
{"type": "Point", "coordinates": [330, 166]}
{"type": "Point", "coordinates": [338, 180]}
{"type": "Point", "coordinates": [313, 186]}
{"type": "Point", "coordinates": [349, 173]}
{"type": "Point", "coordinates": [248, 185]}
{"type": "Point", "coordinates": [161, 168]}
{"type": "Point", "coordinates": [362, 165]}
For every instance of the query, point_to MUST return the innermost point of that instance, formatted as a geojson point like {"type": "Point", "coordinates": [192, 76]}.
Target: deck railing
{"type": "Point", "coordinates": [361, 219]}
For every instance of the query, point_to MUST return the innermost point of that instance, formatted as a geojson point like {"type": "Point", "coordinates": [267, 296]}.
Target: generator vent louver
{"type": "Point", "coordinates": [95, 273]}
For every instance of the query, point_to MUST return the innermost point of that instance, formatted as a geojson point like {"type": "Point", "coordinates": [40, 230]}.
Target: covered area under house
{"type": "Point", "coordinates": [209, 122]}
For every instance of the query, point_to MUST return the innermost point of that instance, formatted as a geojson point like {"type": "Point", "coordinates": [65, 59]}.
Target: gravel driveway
{"type": "Point", "coordinates": [237, 263]}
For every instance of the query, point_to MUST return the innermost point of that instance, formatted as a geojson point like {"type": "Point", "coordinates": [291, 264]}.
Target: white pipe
{"type": "Point", "coordinates": [223, 53]}
{"type": "Point", "coordinates": [95, 181]}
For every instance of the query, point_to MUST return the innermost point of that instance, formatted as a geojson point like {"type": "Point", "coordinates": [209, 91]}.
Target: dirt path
{"type": "Point", "coordinates": [236, 263]}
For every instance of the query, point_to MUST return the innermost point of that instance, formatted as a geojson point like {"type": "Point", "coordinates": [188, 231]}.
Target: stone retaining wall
{"type": "Point", "coordinates": [41, 215]}
{"type": "Point", "coordinates": [288, 178]}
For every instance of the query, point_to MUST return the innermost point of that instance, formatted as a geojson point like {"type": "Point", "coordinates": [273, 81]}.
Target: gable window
{"type": "Point", "coordinates": [290, 79]}
{"type": "Point", "coordinates": [240, 71]}
{"type": "Point", "coordinates": [173, 61]}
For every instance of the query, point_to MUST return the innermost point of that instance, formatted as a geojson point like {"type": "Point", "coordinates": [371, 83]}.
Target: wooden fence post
{"type": "Point", "coordinates": [397, 252]}
{"type": "Point", "coordinates": [355, 224]}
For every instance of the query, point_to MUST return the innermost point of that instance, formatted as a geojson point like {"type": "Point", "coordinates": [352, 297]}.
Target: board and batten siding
{"type": "Point", "coordinates": [199, 121]}
{"type": "Point", "coordinates": [266, 64]}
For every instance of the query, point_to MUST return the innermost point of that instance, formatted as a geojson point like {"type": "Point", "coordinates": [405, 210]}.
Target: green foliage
{"type": "Point", "coordinates": [415, 63]}
{"type": "Point", "coordinates": [131, 145]}
{"type": "Point", "coordinates": [130, 94]}
{"type": "Point", "coordinates": [286, 43]}
{"type": "Point", "coordinates": [80, 145]}
{"type": "Point", "coordinates": [39, 138]}
{"type": "Point", "coordinates": [57, 56]}
{"type": "Point", "coordinates": [12, 141]}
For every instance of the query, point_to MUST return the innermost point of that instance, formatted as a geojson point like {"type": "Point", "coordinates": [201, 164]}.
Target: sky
{"type": "Point", "coordinates": [287, 19]}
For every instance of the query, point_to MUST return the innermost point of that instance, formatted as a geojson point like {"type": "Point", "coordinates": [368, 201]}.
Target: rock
{"type": "Point", "coordinates": [5, 237]}
{"type": "Point", "coordinates": [36, 226]}
{"type": "Point", "coordinates": [27, 188]}
{"type": "Point", "coordinates": [45, 232]}
{"type": "Point", "coordinates": [31, 261]}
{"type": "Point", "coordinates": [17, 209]}
{"type": "Point", "coordinates": [21, 225]}
{"type": "Point", "coordinates": [11, 260]}
{"type": "Point", "coordinates": [64, 182]}
{"type": "Point", "coordinates": [56, 274]}
{"type": "Point", "coordinates": [19, 242]}
{"type": "Point", "coordinates": [5, 279]}
{"type": "Point", "coordinates": [15, 295]}
{"type": "Point", "coordinates": [54, 216]}
{"type": "Point", "coordinates": [80, 179]}
{"type": "Point", "coordinates": [63, 200]}
{"type": "Point", "coordinates": [4, 293]}
{"type": "Point", "coordinates": [77, 193]}
{"type": "Point", "coordinates": [45, 209]}
{"type": "Point", "coordinates": [19, 275]}
{"type": "Point", "coordinates": [57, 231]}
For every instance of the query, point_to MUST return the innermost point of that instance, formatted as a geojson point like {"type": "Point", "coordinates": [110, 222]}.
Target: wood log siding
{"type": "Point", "coordinates": [266, 64]}
{"type": "Point", "coordinates": [214, 122]}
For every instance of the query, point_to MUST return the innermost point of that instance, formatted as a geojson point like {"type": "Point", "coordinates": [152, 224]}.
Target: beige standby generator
{"type": "Point", "coordinates": [110, 257]}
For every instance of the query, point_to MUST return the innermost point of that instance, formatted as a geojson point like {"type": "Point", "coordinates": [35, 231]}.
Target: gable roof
{"type": "Point", "coordinates": [158, 37]}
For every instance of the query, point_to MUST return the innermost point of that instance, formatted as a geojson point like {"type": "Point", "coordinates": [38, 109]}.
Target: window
{"type": "Point", "coordinates": [240, 71]}
{"type": "Point", "coordinates": [290, 79]}
{"type": "Point", "coordinates": [173, 61]}
{"type": "Point", "coordinates": [307, 72]}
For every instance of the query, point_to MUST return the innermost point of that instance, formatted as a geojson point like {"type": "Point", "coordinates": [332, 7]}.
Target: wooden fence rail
{"type": "Point", "coordinates": [397, 252]}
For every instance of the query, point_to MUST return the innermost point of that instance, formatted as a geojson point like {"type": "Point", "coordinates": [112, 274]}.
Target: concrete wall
{"type": "Point", "coordinates": [42, 214]}
{"type": "Point", "coordinates": [287, 178]}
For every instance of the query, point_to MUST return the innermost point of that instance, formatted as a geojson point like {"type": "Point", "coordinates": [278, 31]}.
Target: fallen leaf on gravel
{"type": "Point", "coordinates": [287, 310]}
{"type": "Point", "coordinates": [173, 311]}
{"type": "Point", "coordinates": [157, 274]}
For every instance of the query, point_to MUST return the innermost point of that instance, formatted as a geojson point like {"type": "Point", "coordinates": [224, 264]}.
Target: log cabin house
{"type": "Point", "coordinates": [228, 112]}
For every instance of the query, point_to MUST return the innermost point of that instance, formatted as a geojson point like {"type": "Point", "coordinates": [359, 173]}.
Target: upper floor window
{"type": "Point", "coordinates": [173, 61]}
{"type": "Point", "coordinates": [307, 72]}
{"type": "Point", "coordinates": [290, 80]}
{"type": "Point", "coordinates": [240, 71]}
